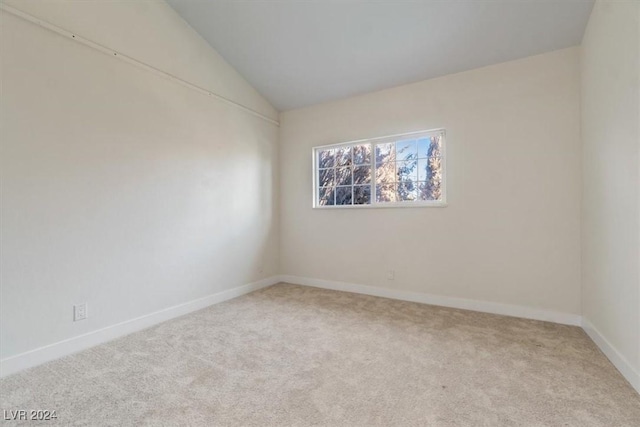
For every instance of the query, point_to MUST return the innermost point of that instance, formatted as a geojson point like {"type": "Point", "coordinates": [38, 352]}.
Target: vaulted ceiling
{"type": "Point", "coordinates": [298, 53]}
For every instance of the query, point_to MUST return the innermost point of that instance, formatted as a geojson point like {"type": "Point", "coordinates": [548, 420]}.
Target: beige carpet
{"type": "Point", "coordinates": [290, 355]}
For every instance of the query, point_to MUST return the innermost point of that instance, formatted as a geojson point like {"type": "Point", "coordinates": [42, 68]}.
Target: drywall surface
{"type": "Point", "coordinates": [151, 32]}
{"type": "Point", "coordinates": [122, 189]}
{"type": "Point", "coordinates": [611, 186]}
{"type": "Point", "coordinates": [511, 230]}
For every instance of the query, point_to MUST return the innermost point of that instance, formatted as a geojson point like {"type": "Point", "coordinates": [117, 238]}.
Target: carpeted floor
{"type": "Point", "coordinates": [297, 356]}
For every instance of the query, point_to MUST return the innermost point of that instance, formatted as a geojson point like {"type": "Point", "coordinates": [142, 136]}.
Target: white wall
{"type": "Point", "coordinates": [120, 188]}
{"type": "Point", "coordinates": [511, 232]}
{"type": "Point", "coordinates": [611, 184]}
{"type": "Point", "coordinates": [152, 32]}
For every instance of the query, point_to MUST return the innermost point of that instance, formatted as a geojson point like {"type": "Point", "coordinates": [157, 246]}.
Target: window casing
{"type": "Point", "coordinates": [406, 170]}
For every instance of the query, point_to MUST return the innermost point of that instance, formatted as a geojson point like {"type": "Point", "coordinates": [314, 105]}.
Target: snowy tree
{"type": "Point", "coordinates": [405, 170]}
{"type": "Point", "coordinates": [431, 189]}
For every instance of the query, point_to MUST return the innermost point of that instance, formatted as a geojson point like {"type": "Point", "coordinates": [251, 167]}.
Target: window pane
{"type": "Point", "coordinates": [362, 174]}
{"type": "Point", "coordinates": [435, 169]}
{"type": "Point", "coordinates": [423, 169]}
{"type": "Point", "coordinates": [362, 154]}
{"type": "Point", "coordinates": [423, 147]}
{"type": "Point", "coordinates": [430, 147]}
{"type": "Point", "coordinates": [407, 170]}
{"type": "Point", "coordinates": [429, 190]}
{"type": "Point", "coordinates": [407, 191]}
{"type": "Point", "coordinates": [428, 167]}
{"type": "Point", "coordinates": [326, 177]}
{"type": "Point", "coordinates": [386, 173]}
{"type": "Point", "coordinates": [343, 195]}
{"type": "Point", "coordinates": [343, 156]}
{"type": "Point", "coordinates": [326, 158]}
{"type": "Point", "coordinates": [343, 176]}
{"type": "Point", "coordinates": [406, 150]}
{"type": "Point", "coordinates": [435, 148]}
{"type": "Point", "coordinates": [362, 195]}
{"type": "Point", "coordinates": [385, 153]}
{"type": "Point", "coordinates": [326, 196]}
{"type": "Point", "coordinates": [386, 193]}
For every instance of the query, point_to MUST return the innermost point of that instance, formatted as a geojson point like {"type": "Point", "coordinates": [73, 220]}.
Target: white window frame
{"type": "Point", "coordinates": [381, 140]}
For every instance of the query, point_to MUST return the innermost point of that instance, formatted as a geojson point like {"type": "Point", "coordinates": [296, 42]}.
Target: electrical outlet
{"type": "Point", "coordinates": [79, 312]}
{"type": "Point", "coordinates": [391, 275]}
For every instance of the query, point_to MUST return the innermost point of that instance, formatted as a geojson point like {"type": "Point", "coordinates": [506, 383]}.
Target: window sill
{"type": "Point", "coordinates": [389, 205]}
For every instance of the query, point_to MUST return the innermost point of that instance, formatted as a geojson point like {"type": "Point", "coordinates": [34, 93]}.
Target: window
{"type": "Point", "coordinates": [400, 170]}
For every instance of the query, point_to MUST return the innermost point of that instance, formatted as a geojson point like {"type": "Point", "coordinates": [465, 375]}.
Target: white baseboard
{"type": "Point", "coordinates": [72, 345]}
{"type": "Point", "coordinates": [453, 302]}
{"type": "Point", "coordinates": [612, 354]}
{"type": "Point", "coordinates": [618, 360]}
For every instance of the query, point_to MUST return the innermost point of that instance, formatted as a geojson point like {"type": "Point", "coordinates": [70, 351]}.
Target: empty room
{"type": "Point", "coordinates": [320, 213]}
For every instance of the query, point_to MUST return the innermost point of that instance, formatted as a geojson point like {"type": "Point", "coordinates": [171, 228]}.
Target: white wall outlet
{"type": "Point", "coordinates": [391, 275]}
{"type": "Point", "coordinates": [80, 312]}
